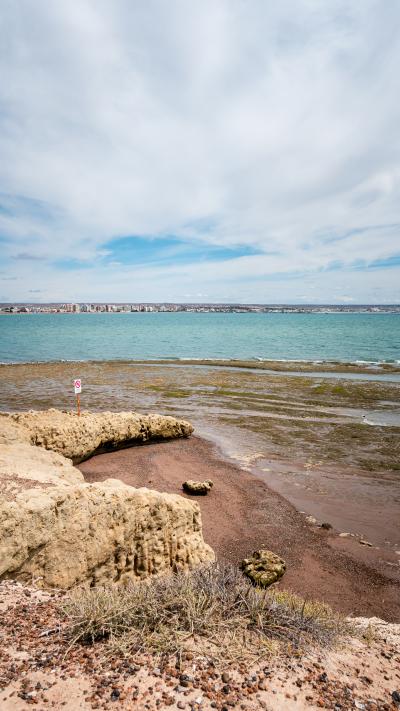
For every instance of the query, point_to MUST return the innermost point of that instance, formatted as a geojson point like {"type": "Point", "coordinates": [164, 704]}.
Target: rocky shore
{"type": "Point", "coordinates": [61, 527]}
{"type": "Point", "coordinates": [60, 531]}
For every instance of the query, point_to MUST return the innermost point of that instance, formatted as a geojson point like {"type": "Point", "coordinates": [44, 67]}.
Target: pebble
{"type": "Point", "coordinates": [181, 705]}
{"type": "Point", "coordinates": [184, 680]}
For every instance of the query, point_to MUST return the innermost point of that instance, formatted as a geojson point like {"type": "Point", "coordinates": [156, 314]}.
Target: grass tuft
{"type": "Point", "coordinates": [213, 607]}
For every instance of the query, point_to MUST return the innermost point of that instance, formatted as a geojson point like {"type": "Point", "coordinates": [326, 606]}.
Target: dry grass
{"type": "Point", "coordinates": [213, 608]}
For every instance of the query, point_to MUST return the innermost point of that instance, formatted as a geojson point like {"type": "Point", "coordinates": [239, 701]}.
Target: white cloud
{"type": "Point", "coordinates": [276, 123]}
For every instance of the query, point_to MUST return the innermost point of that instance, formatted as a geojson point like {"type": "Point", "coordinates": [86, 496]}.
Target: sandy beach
{"type": "Point", "coordinates": [243, 514]}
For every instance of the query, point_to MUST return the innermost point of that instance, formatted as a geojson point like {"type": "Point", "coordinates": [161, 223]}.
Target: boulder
{"type": "Point", "coordinates": [60, 531]}
{"type": "Point", "coordinates": [263, 568]}
{"type": "Point", "coordinates": [98, 533]}
{"type": "Point", "coordinates": [198, 488]}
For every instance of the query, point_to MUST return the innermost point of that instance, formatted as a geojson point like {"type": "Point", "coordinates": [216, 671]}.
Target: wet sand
{"type": "Point", "coordinates": [362, 504]}
{"type": "Point", "coordinates": [242, 514]}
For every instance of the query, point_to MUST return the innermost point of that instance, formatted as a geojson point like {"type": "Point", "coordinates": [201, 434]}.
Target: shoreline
{"type": "Point", "coordinates": [318, 368]}
{"type": "Point", "coordinates": [327, 447]}
{"type": "Point", "coordinates": [242, 513]}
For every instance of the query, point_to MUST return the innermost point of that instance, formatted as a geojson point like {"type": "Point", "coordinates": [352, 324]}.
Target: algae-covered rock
{"type": "Point", "coordinates": [264, 567]}
{"type": "Point", "coordinates": [198, 488]}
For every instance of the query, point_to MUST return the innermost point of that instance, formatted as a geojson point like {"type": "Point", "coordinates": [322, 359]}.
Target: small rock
{"type": "Point", "coordinates": [115, 694]}
{"type": "Point", "coordinates": [396, 697]}
{"type": "Point", "coordinates": [264, 567]}
{"type": "Point", "coordinates": [225, 677]}
{"type": "Point", "coordinates": [326, 526]}
{"type": "Point", "coordinates": [181, 705]}
{"type": "Point", "coordinates": [365, 543]}
{"type": "Point", "coordinates": [199, 488]}
{"type": "Point", "coordinates": [311, 519]}
{"type": "Point", "coordinates": [344, 535]}
{"type": "Point", "coordinates": [185, 680]}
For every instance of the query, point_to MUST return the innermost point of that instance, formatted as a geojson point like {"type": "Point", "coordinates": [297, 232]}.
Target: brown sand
{"type": "Point", "coordinates": [242, 514]}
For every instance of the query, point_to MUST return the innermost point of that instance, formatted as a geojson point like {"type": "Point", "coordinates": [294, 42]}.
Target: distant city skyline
{"type": "Point", "coordinates": [203, 152]}
{"type": "Point", "coordinates": [102, 307]}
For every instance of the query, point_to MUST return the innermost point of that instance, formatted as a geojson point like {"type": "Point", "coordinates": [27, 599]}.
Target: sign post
{"type": "Point", "coordinates": [78, 390]}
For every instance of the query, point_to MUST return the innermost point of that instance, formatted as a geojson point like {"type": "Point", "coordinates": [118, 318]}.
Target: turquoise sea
{"type": "Point", "coordinates": [272, 336]}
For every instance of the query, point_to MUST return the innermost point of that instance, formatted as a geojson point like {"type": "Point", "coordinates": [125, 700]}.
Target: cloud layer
{"type": "Point", "coordinates": [264, 133]}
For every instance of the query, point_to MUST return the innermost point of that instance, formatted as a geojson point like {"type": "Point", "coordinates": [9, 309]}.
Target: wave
{"type": "Point", "coordinates": [189, 359]}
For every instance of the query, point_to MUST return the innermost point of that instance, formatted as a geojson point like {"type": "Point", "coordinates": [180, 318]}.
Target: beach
{"type": "Point", "coordinates": [244, 514]}
{"type": "Point", "coordinates": [282, 446]}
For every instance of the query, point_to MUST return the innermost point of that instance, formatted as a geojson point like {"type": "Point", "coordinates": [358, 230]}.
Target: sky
{"type": "Point", "coordinates": [200, 151]}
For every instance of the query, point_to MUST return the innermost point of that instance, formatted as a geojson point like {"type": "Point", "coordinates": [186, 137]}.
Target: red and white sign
{"type": "Point", "coordinates": [78, 386]}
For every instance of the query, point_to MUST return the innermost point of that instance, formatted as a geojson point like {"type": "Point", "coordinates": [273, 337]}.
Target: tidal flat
{"type": "Point", "coordinates": [328, 441]}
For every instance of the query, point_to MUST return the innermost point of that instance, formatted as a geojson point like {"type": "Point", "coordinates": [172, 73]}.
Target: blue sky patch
{"type": "Point", "coordinates": [169, 251]}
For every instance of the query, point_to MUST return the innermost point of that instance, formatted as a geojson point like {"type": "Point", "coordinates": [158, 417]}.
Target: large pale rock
{"type": "Point", "coordinates": [80, 437]}
{"type": "Point", "coordinates": [58, 530]}
{"type": "Point", "coordinates": [23, 467]}
{"type": "Point", "coordinates": [96, 533]}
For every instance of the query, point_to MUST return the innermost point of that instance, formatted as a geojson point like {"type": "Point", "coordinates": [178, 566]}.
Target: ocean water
{"type": "Point", "coordinates": [319, 336]}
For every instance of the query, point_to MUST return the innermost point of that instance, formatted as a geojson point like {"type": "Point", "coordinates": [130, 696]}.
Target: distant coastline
{"type": "Point", "coordinates": [102, 307]}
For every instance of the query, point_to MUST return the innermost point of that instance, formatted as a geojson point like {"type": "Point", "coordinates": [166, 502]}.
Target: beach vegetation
{"type": "Point", "coordinates": [214, 607]}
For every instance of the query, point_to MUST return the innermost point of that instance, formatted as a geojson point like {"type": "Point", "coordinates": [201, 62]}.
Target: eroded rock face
{"type": "Point", "coordinates": [198, 488]}
{"type": "Point", "coordinates": [264, 567]}
{"type": "Point", "coordinates": [97, 533]}
{"type": "Point", "coordinates": [80, 437]}
{"type": "Point", "coordinates": [60, 531]}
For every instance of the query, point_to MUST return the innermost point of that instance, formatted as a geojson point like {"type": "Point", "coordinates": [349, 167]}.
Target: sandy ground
{"type": "Point", "coordinates": [38, 669]}
{"type": "Point", "coordinates": [242, 514]}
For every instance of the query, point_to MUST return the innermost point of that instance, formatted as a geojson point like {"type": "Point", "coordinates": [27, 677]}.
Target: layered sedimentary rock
{"type": "Point", "coordinates": [60, 531]}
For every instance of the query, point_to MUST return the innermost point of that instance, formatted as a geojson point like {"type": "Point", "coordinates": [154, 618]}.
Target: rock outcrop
{"type": "Point", "coordinates": [60, 531]}
{"type": "Point", "coordinates": [78, 438]}
{"type": "Point", "coordinates": [263, 567]}
{"type": "Point", "coordinates": [198, 488]}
